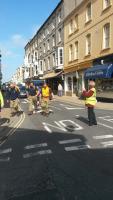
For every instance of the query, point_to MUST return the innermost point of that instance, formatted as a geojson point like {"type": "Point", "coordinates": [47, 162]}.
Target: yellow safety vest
{"type": "Point", "coordinates": [91, 100]}
{"type": "Point", "coordinates": [45, 92]}
{"type": "Point", "coordinates": [1, 100]}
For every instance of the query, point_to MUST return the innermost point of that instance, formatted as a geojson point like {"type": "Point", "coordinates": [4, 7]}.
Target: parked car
{"type": "Point", "coordinates": [23, 92]}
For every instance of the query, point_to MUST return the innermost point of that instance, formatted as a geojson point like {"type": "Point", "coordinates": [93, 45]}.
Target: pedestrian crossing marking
{"type": "Point", "coordinates": [106, 144]}
{"type": "Point", "coordinates": [5, 151]}
{"type": "Point", "coordinates": [43, 152]}
{"type": "Point", "coordinates": [69, 141]}
{"type": "Point", "coordinates": [74, 108]}
{"type": "Point", "coordinates": [99, 137]}
{"type": "Point", "coordinates": [35, 146]}
{"type": "Point", "coordinates": [5, 159]}
{"type": "Point", "coordinates": [75, 148]}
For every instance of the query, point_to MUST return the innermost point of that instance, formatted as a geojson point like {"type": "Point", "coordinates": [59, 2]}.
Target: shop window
{"type": "Point", "coordinates": [69, 83]}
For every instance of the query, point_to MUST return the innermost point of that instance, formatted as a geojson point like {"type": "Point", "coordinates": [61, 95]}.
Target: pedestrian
{"type": "Point", "coordinates": [60, 90]}
{"type": "Point", "coordinates": [32, 98]}
{"type": "Point", "coordinates": [1, 100]}
{"type": "Point", "coordinates": [13, 98]}
{"type": "Point", "coordinates": [90, 101]}
{"type": "Point", "coordinates": [45, 99]}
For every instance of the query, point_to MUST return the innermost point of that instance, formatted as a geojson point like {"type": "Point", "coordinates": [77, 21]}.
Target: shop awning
{"type": "Point", "coordinates": [51, 75]}
{"type": "Point", "coordinates": [99, 71]}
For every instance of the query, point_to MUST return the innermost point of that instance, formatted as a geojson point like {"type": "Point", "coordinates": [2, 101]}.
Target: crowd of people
{"type": "Point", "coordinates": [41, 96]}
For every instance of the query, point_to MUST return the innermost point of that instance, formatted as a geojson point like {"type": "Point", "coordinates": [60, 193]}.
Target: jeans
{"type": "Point", "coordinates": [60, 93]}
{"type": "Point", "coordinates": [91, 116]}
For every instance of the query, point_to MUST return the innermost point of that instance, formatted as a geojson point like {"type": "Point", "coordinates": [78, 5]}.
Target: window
{"type": "Point", "coordinates": [70, 52]}
{"type": "Point", "coordinates": [48, 47]}
{"type": "Point", "coordinates": [106, 36]}
{"type": "Point", "coordinates": [47, 31]}
{"type": "Point", "coordinates": [76, 51]}
{"type": "Point", "coordinates": [44, 48]}
{"type": "Point", "coordinates": [59, 35]}
{"type": "Point", "coordinates": [76, 23]}
{"type": "Point", "coordinates": [54, 63]}
{"type": "Point", "coordinates": [48, 63]}
{"type": "Point", "coordinates": [44, 65]}
{"type": "Point", "coordinates": [36, 56]}
{"type": "Point", "coordinates": [61, 56]}
{"type": "Point", "coordinates": [41, 64]}
{"type": "Point", "coordinates": [53, 40]}
{"type": "Point", "coordinates": [88, 12]}
{"type": "Point", "coordinates": [88, 44]}
{"type": "Point", "coordinates": [71, 27]}
{"type": "Point", "coordinates": [69, 83]}
{"type": "Point", "coordinates": [59, 16]}
{"type": "Point", "coordinates": [53, 26]}
{"type": "Point", "coordinates": [106, 3]}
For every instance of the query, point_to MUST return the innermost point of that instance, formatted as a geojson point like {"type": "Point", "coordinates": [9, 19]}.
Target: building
{"type": "Point", "coordinates": [44, 52]}
{"type": "Point", "coordinates": [19, 75]}
{"type": "Point", "coordinates": [88, 45]}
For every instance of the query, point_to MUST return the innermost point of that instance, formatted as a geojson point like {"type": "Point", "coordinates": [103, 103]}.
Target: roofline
{"type": "Point", "coordinates": [61, 1]}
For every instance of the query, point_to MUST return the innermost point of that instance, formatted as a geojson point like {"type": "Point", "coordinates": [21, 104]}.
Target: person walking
{"type": "Point", "coordinates": [60, 90]}
{"type": "Point", "coordinates": [45, 99]}
{"type": "Point", "coordinates": [90, 102]}
{"type": "Point", "coordinates": [1, 100]}
{"type": "Point", "coordinates": [32, 98]}
{"type": "Point", "coordinates": [13, 98]}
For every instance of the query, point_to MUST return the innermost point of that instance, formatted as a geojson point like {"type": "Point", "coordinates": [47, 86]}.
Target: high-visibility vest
{"type": "Point", "coordinates": [1, 100]}
{"type": "Point", "coordinates": [91, 100]}
{"type": "Point", "coordinates": [45, 92]}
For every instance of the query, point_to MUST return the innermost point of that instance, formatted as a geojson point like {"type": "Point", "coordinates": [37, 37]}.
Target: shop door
{"type": "Point", "coordinates": [74, 85]}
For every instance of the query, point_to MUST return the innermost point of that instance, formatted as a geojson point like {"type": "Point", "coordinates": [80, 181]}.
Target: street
{"type": "Point", "coordinates": [58, 157]}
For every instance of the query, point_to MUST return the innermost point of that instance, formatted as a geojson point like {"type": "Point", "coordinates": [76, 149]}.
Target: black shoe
{"type": "Point", "coordinates": [95, 124]}
{"type": "Point", "coordinates": [30, 113]}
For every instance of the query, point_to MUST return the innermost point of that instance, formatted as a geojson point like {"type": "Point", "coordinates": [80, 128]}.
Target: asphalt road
{"type": "Point", "coordinates": [58, 157]}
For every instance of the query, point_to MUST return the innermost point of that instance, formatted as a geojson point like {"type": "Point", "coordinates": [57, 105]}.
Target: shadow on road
{"type": "Point", "coordinates": [83, 174]}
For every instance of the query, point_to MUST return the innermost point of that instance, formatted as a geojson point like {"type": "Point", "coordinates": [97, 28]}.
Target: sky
{"type": "Point", "coordinates": [19, 21]}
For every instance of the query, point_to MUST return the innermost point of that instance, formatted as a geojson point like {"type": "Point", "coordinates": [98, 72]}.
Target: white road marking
{"type": "Point", "coordinates": [105, 125]}
{"type": "Point", "coordinates": [75, 148]}
{"type": "Point", "coordinates": [35, 146]}
{"type": "Point", "coordinates": [5, 151]}
{"type": "Point", "coordinates": [99, 137]}
{"type": "Point", "coordinates": [59, 126]}
{"type": "Point", "coordinates": [43, 152]}
{"type": "Point", "coordinates": [69, 141]}
{"type": "Point", "coordinates": [76, 126]}
{"type": "Point", "coordinates": [75, 108]}
{"type": "Point", "coordinates": [55, 107]}
{"type": "Point", "coordinates": [107, 144]}
{"type": "Point", "coordinates": [107, 118]}
{"type": "Point", "coordinates": [5, 159]}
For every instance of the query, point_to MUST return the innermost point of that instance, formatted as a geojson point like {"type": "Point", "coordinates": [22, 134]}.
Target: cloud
{"type": "Point", "coordinates": [18, 40]}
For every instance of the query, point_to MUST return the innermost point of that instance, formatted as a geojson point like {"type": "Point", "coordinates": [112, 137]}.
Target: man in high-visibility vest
{"type": "Point", "coordinates": [1, 100]}
{"type": "Point", "coordinates": [90, 102]}
{"type": "Point", "coordinates": [45, 98]}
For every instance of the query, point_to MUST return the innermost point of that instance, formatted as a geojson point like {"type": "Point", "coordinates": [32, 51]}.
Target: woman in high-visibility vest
{"type": "Point", "coordinates": [1, 101]}
{"type": "Point", "coordinates": [90, 102]}
{"type": "Point", "coordinates": [45, 98]}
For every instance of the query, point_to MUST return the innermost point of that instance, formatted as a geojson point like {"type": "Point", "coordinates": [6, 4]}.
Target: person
{"type": "Point", "coordinates": [45, 99]}
{"type": "Point", "coordinates": [32, 98]}
{"type": "Point", "coordinates": [13, 98]}
{"type": "Point", "coordinates": [1, 100]}
{"type": "Point", "coordinates": [90, 101]}
{"type": "Point", "coordinates": [60, 89]}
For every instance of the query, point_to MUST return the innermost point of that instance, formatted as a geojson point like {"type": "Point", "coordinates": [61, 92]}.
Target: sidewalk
{"type": "Point", "coordinates": [75, 100]}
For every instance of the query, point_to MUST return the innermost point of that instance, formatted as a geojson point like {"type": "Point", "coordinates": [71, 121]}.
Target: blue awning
{"type": "Point", "coordinates": [99, 71]}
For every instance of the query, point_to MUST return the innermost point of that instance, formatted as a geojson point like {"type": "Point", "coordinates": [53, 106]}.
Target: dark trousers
{"type": "Point", "coordinates": [91, 116]}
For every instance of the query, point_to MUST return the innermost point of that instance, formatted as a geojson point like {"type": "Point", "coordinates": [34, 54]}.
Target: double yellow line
{"type": "Point", "coordinates": [13, 130]}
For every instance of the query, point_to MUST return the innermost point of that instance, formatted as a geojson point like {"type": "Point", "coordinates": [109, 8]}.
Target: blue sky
{"type": "Point", "coordinates": [19, 21]}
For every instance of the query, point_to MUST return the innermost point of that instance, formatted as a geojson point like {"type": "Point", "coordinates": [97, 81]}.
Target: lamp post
{"type": "Point", "coordinates": [0, 69]}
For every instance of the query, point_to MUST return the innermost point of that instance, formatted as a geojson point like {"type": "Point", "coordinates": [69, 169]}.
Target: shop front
{"type": "Point", "coordinates": [103, 76]}
{"type": "Point", "coordinates": [73, 83]}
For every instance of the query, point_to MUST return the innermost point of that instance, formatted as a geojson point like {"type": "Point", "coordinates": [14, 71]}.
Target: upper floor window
{"type": "Point", "coordinates": [88, 12]}
{"type": "Point", "coordinates": [59, 35]}
{"type": "Point", "coordinates": [76, 51]}
{"type": "Point", "coordinates": [76, 23]}
{"type": "Point", "coordinates": [48, 45]}
{"type": "Point", "coordinates": [59, 16]}
{"type": "Point", "coordinates": [53, 40]}
{"type": "Point", "coordinates": [44, 65]}
{"type": "Point", "coordinates": [106, 3]}
{"type": "Point", "coordinates": [88, 44]}
{"type": "Point", "coordinates": [44, 48]}
{"type": "Point", "coordinates": [54, 60]}
{"type": "Point", "coordinates": [61, 56]}
{"type": "Point", "coordinates": [71, 27]}
{"type": "Point", "coordinates": [36, 56]}
{"type": "Point", "coordinates": [49, 63]}
{"type": "Point", "coordinates": [70, 52]}
{"type": "Point", "coordinates": [106, 36]}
